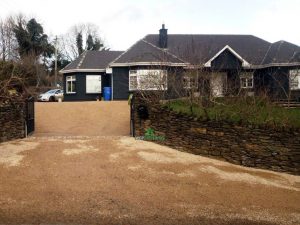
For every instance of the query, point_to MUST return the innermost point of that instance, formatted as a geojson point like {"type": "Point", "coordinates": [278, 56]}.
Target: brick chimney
{"type": "Point", "coordinates": [163, 37]}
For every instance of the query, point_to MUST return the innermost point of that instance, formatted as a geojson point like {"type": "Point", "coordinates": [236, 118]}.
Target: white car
{"type": "Point", "coordinates": [51, 96]}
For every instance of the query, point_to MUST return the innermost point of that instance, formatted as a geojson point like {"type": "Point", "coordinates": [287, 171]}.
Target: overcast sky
{"type": "Point", "coordinates": [123, 22]}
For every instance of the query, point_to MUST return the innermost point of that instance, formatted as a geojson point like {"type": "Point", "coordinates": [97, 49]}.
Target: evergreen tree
{"type": "Point", "coordinates": [89, 42]}
{"type": "Point", "coordinates": [79, 43]}
{"type": "Point", "coordinates": [32, 40]}
{"type": "Point", "coordinates": [23, 39]}
{"type": "Point", "coordinates": [97, 45]}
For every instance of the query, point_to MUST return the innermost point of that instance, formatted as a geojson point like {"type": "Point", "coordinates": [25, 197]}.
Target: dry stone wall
{"type": "Point", "coordinates": [12, 121]}
{"type": "Point", "coordinates": [266, 148]}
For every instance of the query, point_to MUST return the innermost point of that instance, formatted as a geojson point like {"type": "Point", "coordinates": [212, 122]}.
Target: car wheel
{"type": "Point", "coordinates": [52, 99]}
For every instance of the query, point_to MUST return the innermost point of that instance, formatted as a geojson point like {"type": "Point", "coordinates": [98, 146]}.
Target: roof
{"type": "Point", "coordinates": [143, 51]}
{"type": "Point", "coordinates": [199, 49]}
{"type": "Point", "coordinates": [92, 61]}
{"type": "Point", "coordinates": [282, 52]}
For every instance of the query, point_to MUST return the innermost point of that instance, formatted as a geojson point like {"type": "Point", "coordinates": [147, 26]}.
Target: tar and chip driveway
{"type": "Point", "coordinates": [119, 180]}
{"type": "Point", "coordinates": [82, 118]}
{"type": "Point", "coordinates": [58, 177]}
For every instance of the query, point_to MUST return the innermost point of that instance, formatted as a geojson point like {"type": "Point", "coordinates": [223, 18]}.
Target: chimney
{"type": "Point", "coordinates": [163, 37]}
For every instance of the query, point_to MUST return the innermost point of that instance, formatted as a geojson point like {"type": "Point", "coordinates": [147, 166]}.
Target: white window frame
{"type": "Point", "coordinates": [294, 79]}
{"type": "Point", "coordinates": [189, 83]}
{"type": "Point", "coordinates": [139, 75]}
{"type": "Point", "coordinates": [246, 76]}
{"type": "Point", "coordinates": [71, 79]}
{"type": "Point", "coordinates": [86, 82]}
{"type": "Point", "coordinates": [133, 75]}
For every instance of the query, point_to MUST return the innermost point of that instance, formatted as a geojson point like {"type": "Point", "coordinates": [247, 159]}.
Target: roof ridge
{"type": "Point", "coordinates": [236, 35]}
{"type": "Point", "coordinates": [190, 34]}
{"type": "Point", "coordinates": [266, 54]}
{"type": "Point", "coordinates": [125, 52]}
{"type": "Point", "coordinates": [81, 60]}
{"type": "Point", "coordinates": [115, 58]}
{"type": "Point", "coordinates": [166, 51]}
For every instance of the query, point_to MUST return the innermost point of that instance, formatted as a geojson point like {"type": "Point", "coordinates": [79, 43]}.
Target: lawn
{"type": "Point", "coordinates": [245, 110]}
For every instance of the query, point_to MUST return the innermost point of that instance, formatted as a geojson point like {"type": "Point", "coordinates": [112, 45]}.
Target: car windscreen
{"type": "Point", "coordinates": [51, 91]}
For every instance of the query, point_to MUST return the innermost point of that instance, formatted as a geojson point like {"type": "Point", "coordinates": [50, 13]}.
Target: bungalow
{"type": "Point", "coordinates": [232, 63]}
{"type": "Point", "coordinates": [86, 77]}
{"type": "Point", "coordinates": [223, 65]}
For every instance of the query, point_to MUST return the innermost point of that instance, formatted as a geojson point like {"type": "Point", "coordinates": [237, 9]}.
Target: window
{"type": "Point", "coordinates": [133, 82]}
{"type": "Point", "coordinates": [190, 82]}
{"type": "Point", "coordinates": [147, 80]}
{"type": "Point", "coordinates": [246, 80]}
{"type": "Point", "coordinates": [295, 79]}
{"type": "Point", "coordinates": [71, 84]}
{"type": "Point", "coordinates": [93, 84]}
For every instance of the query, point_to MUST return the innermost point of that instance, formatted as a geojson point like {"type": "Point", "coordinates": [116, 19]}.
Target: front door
{"type": "Point", "coordinates": [218, 84]}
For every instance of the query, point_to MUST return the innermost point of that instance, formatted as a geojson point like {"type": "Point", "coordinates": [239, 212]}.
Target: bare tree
{"type": "Point", "coordinates": [8, 43]}
{"type": "Point", "coordinates": [67, 42]}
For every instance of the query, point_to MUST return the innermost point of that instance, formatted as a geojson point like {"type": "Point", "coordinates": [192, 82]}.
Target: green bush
{"type": "Point", "coordinates": [251, 110]}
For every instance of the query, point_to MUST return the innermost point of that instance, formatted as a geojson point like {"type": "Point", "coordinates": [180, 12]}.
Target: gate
{"type": "Point", "coordinates": [29, 116]}
{"type": "Point", "coordinates": [92, 118]}
{"type": "Point", "coordinates": [132, 108]}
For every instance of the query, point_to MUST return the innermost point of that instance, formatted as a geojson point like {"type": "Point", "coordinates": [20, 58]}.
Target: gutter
{"type": "Point", "coordinates": [82, 70]}
{"type": "Point", "coordinates": [148, 64]}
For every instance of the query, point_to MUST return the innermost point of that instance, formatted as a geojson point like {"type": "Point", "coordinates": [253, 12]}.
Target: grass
{"type": "Point", "coordinates": [253, 111]}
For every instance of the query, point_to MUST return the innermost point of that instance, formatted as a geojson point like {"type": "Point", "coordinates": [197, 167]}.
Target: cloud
{"type": "Point", "coordinates": [124, 22]}
{"type": "Point", "coordinates": [278, 21]}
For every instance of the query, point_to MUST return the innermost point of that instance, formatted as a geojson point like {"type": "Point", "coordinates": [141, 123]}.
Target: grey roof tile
{"type": "Point", "coordinates": [282, 52]}
{"type": "Point", "coordinates": [198, 49]}
{"type": "Point", "coordinates": [143, 51]}
{"type": "Point", "coordinates": [93, 60]}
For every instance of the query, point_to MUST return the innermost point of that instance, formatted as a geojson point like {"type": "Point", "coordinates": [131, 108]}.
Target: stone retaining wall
{"type": "Point", "coordinates": [265, 148]}
{"type": "Point", "coordinates": [12, 121]}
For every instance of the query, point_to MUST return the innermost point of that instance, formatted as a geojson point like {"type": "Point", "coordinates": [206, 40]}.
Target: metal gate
{"type": "Point", "coordinates": [30, 116]}
{"type": "Point", "coordinates": [132, 108]}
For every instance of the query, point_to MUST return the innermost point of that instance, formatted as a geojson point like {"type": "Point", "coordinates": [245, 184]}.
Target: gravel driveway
{"type": "Point", "coordinates": [82, 118]}
{"type": "Point", "coordinates": [119, 180]}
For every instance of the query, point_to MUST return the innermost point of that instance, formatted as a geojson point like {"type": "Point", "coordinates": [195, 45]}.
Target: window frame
{"type": "Point", "coordinates": [295, 79]}
{"type": "Point", "coordinates": [133, 73]}
{"type": "Point", "coordinates": [190, 82]}
{"type": "Point", "coordinates": [245, 78]}
{"type": "Point", "coordinates": [86, 80]}
{"type": "Point", "coordinates": [141, 74]}
{"type": "Point", "coordinates": [71, 79]}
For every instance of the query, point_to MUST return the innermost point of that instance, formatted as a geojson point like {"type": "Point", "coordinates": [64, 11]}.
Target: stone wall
{"type": "Point", "coordinates": [265, 148]}
{"type": "Point", "coordinates": [12, 121]}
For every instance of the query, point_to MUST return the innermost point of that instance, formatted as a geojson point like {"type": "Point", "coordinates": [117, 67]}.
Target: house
{"type": "Point", "coordinates": [220, 65]}
{"type": "Point", "coordinates": [85, 77]}
{"type": "Point", "coordinates": [233, 63]}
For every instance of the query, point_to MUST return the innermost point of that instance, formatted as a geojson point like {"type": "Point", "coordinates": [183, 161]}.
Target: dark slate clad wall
{"type": "Point", "coordinates": [81, 94]}
{"type": "Point", "coordinates": [274, 81]}
{"type": "Point", "coordinates": [175, 83]}
{"type": "Point", "coordinates": [106, 81]}
{"type": "Point", "coordinates": [120, 83]}
{"type": "Point", "coordinates": [226, 60]}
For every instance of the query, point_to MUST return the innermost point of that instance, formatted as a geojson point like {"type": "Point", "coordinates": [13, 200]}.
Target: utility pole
{"type": "Point", "coordinates": [55, 65]}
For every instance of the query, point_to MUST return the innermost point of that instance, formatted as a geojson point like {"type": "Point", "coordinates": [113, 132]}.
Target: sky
{"type": "Point", "coordinates": [123, 22]}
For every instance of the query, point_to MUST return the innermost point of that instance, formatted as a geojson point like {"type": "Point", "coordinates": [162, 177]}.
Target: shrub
{"type": "Point", "coordinates": [250, 110]}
